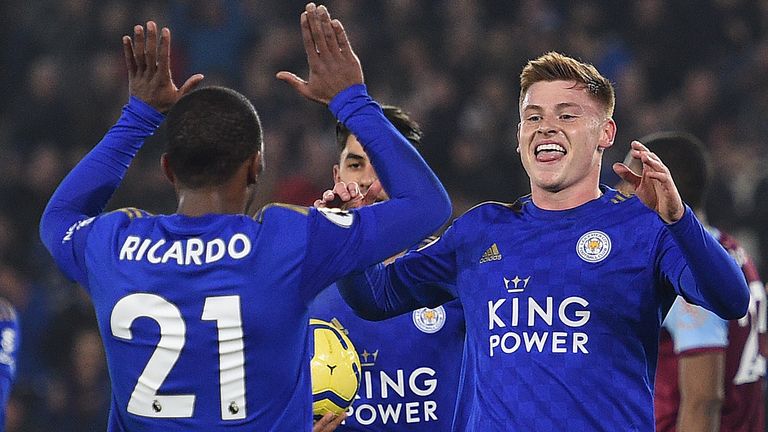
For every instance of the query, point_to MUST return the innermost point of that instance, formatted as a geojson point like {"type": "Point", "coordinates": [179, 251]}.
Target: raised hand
{"type": "Point", "coordinates": [654, 186]}
{"type": "Point", "coordinates": [347, 195]}
{"type": "Point", "coordinates": [333, 66]}
{"type": "Point", "coordinates": [149, 68]}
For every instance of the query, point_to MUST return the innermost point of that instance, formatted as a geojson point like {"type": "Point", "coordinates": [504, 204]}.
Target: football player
{"type": "Point", "coordinates": [563, 291]}
{"type": "Point", "coordinates": [711, 373]}
{"type": "Point", "coordinates": [412, 362]}
{"type": "Point", "coordinates": [204, 312]}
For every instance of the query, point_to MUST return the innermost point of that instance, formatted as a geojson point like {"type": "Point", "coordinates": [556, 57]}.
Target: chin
{"type": "Point", "coordinates": [549, 184]}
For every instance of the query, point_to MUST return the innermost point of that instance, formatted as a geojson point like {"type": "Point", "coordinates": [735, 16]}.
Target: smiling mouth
{"type": "Point", "coordinates": [549, 148]}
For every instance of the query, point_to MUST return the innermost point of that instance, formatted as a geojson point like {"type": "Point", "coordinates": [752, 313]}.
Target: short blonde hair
{"type": "Point", "coordinates": [554, 66]}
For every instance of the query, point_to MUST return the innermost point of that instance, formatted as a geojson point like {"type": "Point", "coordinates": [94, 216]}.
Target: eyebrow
{"type": "Point", "coordinates": [560, 106]}
{"type": "Point", "coordinates": [354, 156]}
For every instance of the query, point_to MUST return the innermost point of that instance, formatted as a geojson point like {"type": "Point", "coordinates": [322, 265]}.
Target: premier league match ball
{"type": "Point", "coordinates": [335, 368]}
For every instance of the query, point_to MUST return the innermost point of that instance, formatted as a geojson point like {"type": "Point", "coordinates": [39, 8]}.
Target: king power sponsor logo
{"type": "Point", "coordinates": [536, 325]}
{"type": "Point", "coordinates": [402, 396]}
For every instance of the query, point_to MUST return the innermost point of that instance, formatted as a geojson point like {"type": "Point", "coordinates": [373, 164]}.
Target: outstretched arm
{"type": "Point", "coordinates": [425, 277]}
{"type": "Point", "coordinates": [87, 188]}
{"type": "Point", "coordinates": [419, 204]}
{"type": "Point", "coordinates": [707, 276]}
{"type": "Point", "coordinates": [711, 278]}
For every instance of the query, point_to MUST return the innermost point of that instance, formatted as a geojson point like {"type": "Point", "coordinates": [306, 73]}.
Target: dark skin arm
{"type": "Point", "coordinates": [149, 68]}
{"type": "Point", "coordinates": [333, 66]}
{"type": "Point", "coordinates": [700, 382]}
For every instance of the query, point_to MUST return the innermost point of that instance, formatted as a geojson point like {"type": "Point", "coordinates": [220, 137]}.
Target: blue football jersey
{"type": "Point", "coordinates": [562, 308]}
{"type": "Point", "coordinates": [204, 319]}
{"type": "Point", "coordinates": [174, 296]}
{"type": "Point", "coordinates": [411, 365]}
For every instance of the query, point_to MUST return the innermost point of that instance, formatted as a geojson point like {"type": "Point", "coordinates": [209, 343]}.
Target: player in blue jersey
{"type": "Point", "coordinates": [711, 372]}
{"type": "Point", "coordinates": [563, 291]}
{"type": "Point", "coordinates": [204, 312]}
{"type": "Point", "coordinates": [9, 345]}
{"type": "Point", "coordinates": [412, 362]}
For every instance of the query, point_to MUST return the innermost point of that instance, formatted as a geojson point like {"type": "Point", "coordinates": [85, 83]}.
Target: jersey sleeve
{"type": "Point", "coordinates": [344, 241]}
{"type": "Point", "coordinates": [422, 278]}
{"type": "Point", "coordinates": [700, 269]}
{"type": "Point", "coordinates": [85, 191]}
{"type": "Point", "coordinates": [693, 327]}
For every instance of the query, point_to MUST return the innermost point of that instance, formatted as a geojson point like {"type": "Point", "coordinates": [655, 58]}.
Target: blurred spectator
{"type": "Point", "coordinates": [699, 65]}
{"type": "Point", "coordinates": [78, 397]}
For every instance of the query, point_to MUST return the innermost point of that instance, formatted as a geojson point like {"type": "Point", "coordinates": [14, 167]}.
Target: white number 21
{"type": "Point", "coordinates": [225, 310]}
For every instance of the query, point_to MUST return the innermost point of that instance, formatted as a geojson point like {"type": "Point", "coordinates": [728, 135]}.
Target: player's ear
{"type": "Point", "coordinates": [256, 168]}
{"type": "Point", "coordinates": [336, 175]}
{"type": "Point", "coordinates": [166, 167]}
{"type": "Point", "coordinates": [609, 134]}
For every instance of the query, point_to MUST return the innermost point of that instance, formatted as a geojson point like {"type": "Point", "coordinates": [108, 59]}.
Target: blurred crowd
{"type": "Point", "coordinates": [698, 66]}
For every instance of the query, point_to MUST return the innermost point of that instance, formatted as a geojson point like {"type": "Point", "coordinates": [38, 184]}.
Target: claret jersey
{"type": "Point", "coordinates": [562, 308]}
{"type": "Point", "coordinates": [690, 329]}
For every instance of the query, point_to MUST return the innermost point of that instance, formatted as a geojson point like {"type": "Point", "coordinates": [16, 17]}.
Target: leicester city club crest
{"type": "Point", "coordinates": [593, 246]}
{"type": "Point", "coordinates": [429, 320]}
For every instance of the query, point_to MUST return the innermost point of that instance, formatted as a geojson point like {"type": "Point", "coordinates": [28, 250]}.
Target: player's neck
{"type": "Point", "coordinates": [204, 201]}
{"type": "Point", "coordinates": [564, 199]}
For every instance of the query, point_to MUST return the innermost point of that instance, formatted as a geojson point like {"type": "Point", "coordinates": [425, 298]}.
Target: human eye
{"type": "Point", "coordinates": [533, 118]}
{"type": "Point", "coordinates": [568, 117]}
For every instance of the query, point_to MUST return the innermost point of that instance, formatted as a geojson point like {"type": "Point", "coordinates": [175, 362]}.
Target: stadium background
{"type": "Point", "coordinates": [700, 66]}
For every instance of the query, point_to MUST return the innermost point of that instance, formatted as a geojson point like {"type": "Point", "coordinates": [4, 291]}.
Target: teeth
{"type": "Point", "coordinates": [549, 147]}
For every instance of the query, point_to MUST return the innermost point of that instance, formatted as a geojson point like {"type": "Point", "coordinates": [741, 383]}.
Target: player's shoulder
{"type": "Point", "coordinates": [617, 197]}
{"type": "Point", "coordinates": [110, 220]}
{"type": "Point", "coordinates": [124, 214]}
{"type": "Point", "coordinates": [288, 213]}
{"type": "Point", "coordinates": [131, 213]}
{"type": "Point", "coordinates": [280, 211]}
{"type": "Point", "coordinates": [489, 210]}
{"type": "Point", "coordinates": [617, 200]}
{"type": "Point", "coordinates": [284, 222]}
{"type": "Point", "coordinates": [625, 206]}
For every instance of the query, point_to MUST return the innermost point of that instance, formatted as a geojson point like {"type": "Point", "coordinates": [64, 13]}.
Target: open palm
{"type": "Point", "coordinates": [654, 186]}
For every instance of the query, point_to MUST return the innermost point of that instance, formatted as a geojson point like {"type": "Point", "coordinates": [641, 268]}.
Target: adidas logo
{"type": "Point", "coordinates": [492, 254]}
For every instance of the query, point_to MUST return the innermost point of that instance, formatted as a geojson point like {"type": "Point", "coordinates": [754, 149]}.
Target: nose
{"type": "Point", "coordinates": [546, 127]}
{"type": "Point", "coordinates": [366, 179]}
